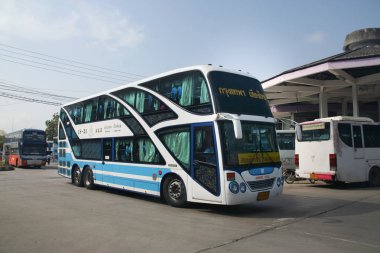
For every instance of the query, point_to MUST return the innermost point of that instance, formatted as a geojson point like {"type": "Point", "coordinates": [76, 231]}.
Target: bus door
{"type": "Point", "coordinates": [106, 158]}
{"type": "Point", "coordinates": [204, 163]}
{"type": "Point", "coordinates": [358, 142]}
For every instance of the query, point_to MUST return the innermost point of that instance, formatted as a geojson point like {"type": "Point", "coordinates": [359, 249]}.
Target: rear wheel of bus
{"type": "Point", "coordinates": [174, 191]}
{"type": "Point", "coordinates": [77, 177]}
{"type": "Point", "coordinates": [88, 177]}
{"type": "Point", "coordinates": [374, 177]}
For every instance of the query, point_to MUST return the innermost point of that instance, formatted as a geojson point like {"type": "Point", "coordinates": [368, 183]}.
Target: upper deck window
{"type": "Point", "coordinates": [238, 94]}
{"type": "Point", "coordinates": [152, 109]}
{"type": "Point", "coordinates": [188, 90]}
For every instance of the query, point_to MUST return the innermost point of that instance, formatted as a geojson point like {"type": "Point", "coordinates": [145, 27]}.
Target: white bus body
{"type": "Point", "coordinates": [286, 145]}
{"type": "Point", "coordinates": [197, 134]}
{"type": "Point", "coordinates": [339, 149]}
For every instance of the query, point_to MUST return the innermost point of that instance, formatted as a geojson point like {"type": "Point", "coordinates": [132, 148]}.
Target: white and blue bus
{"type": "Point", "coordinates": [198, 134]}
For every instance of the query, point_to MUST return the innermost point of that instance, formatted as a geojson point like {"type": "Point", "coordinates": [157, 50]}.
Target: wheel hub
{"type": "Point", "coordinates": [175, 189]}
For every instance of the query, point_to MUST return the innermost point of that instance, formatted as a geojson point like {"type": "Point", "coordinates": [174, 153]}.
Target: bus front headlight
{"type": "Point", "coordinates": [234, 187]}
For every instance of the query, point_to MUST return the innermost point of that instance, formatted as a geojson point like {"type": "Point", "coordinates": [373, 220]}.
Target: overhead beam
{"type": "Point", "coordinates": [306, 81]}
{"type": "Point", "coordinates": [343, 75]}
{"type": "Point", "coordinates": [290, 100]}
{"type": "Point", "coordinates": [282, 88]}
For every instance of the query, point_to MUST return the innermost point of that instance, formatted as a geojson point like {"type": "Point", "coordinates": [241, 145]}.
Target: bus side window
{"type": "Point", "coordinates": [358, 143]}
{"type": "Point", "coordinates": [204, 145]}
{"type": "Point", "coordinates": [345, 135]}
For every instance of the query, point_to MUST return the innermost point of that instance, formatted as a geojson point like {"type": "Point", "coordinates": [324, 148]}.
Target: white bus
{"type": "Point", "coordinates": [339, 149]}
{"type": "Point", "coordinates": [286, 143]}
{"type": "Point", "coordinates": [198, 134]}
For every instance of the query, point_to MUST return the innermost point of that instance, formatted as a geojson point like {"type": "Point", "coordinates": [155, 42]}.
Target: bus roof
{"type": "Point", "coordinates": [340, 118]}
{"type": "Point", "coordinates": [203, 68]}
{"type": "Point", "coordinates": [25, 129]}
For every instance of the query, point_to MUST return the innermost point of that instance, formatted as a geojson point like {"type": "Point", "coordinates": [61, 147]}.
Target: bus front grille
{"type": "Point", "coordinates": [261, 185]}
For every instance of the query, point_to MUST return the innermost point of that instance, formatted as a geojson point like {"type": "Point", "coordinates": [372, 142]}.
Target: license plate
{"type": "Point", "coordinates": [313, 176]}
{"type": "Point", "coordinates": [262, 196]}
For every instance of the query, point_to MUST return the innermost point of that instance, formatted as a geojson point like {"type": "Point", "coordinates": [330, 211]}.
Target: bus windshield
{"type": "Point", "coordinates": [258, 145]}
{"type": "Point", "coordinates": [33, 149]}
{"type": "Point", "coordinates": [286, 141]}
{"type": "Point", "coordinates": [34, 136]}
{"type": "Point", "coordinates": [315, 132]}
{"type": "Point", "coordinates": [231, 91]}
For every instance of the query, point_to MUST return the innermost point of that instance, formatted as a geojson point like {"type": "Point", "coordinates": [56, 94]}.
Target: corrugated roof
{"type": "Point", "coordinates": [360, 53]}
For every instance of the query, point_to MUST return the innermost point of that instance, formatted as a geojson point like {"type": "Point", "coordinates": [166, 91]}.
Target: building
{"type": "Point", "coordinates": [347, 83]}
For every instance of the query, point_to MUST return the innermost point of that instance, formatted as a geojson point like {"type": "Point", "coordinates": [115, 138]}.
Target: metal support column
{"type": "Point", "coordinates": [344, 107]}
{"type": "Point", "coordinates": [355, 103]}
{"type": "Point", "coordinates": [323, 110]}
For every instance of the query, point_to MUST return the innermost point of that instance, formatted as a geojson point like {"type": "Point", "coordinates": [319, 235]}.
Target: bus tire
{"type": "Point", "coordinates": [174, 191]}
{"type": "Point", "coordinates": [374, 177]}
{"type": "Point", "coordinates": [88, 178]}
{"type": "Point", "coordinates": [77, 177]}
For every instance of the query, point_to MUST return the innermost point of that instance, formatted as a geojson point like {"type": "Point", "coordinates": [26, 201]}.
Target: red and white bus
{"type": "Point", "coordinates": [26, 147]}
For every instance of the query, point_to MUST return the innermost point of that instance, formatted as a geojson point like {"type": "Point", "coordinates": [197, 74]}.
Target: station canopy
{"type": "Point", "coordinates": [351, 77]}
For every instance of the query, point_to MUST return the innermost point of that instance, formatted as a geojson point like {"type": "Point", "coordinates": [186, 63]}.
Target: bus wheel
{"type": "Point", "coordinates": [374, 177]}
{"type": "Point", "coordinates": [88, 179]}
{"type": "Point", "coordinates": [77, 177]}
{"type": "Point", "coordinates": [174, 191]}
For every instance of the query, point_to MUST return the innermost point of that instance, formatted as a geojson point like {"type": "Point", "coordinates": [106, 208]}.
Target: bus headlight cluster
{"type": "Point", "coordinates": [234, 187]}
{"type": "Point", "coordinates": [280, 181]}
{"type": "Point", "coordinates": [243, 187]}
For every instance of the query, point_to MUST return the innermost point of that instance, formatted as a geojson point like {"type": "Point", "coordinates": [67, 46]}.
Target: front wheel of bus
{"type": "Point", "coordinates": [174, 191]}
{"type": "Point", "coordinates": [77, 177]}
{"type": "Point", "coordinates": [374, 177]}
{"type": "Point", "coordinates": [89, 179]}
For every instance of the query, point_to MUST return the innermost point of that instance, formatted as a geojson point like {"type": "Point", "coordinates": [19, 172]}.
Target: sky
{"type": "Point", "coordinates": [75, 48]}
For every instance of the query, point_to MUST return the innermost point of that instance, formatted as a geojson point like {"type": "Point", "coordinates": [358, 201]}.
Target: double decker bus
{"type": "Point", "coordinates": [25, 148]}
{"type": "Point", "coordinates": [198, 134]}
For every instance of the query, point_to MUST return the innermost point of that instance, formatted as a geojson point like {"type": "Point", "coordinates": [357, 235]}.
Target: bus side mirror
{"type": "Point", "coordinates": [237, 129]}
{"type": "Point", "coordinates": [298, 132]}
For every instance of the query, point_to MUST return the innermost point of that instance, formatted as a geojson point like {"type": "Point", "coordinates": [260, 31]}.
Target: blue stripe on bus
{"type": "Point", "coordinates": [134, 170]}
{"type": "Point", "coordinates": [133, 183]}
{"type": "Point", "coordinates": [119, 167]}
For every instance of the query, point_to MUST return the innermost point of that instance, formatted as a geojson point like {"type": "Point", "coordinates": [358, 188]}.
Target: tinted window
{"type": "Point", "coordinates": [315, 131]}
{"type": "Point", "coordinates": [90, 110]}
{"type": "Point", "coordinates": [102, 108]}
{"type": "Point", "coordinates": [146, 152]}
{"type": "Point", "coordinates": [124, 150]}
{"type": "Point", "coordinates": [345, 135]}
{"type": "Point", "coordinates": [61, 133]}
{"type": "Point", "coordinates": [238, 94]}
{"type": "Point", "coordinates": [258, 145]}
{"type": "Point", "coordinates": [177, 141]}
{"type": "Point", "coordinates": [91, 149]}
{"type": "Point", "coordinates": [188, 90]}
{"type": "Point", "coordinates": [358, 142]}
{"type": "Point", "coordinates": [151, 108]}
{"type": "Point", "coordinates": [371, 136]}
{"type": "Point", "coordinates": [286, 141]}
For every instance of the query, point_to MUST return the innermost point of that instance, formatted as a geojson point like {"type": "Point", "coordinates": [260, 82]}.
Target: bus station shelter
{"type": "Point", "coordinates": [344, 84]}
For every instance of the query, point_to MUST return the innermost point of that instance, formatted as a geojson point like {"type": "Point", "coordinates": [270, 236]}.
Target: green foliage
{"type": "Point", "coordinates": [52, 127]}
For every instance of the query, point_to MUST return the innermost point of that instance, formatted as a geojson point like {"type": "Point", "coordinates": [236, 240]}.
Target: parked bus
{"type": "Point", "coordinates": [286, 143]}
{"type": "Point", "coordinates": [339, 149]}
{"type": "Point", "coordinates": [26, 147]}
{"type": "Point", "coordinates": [198, 134]}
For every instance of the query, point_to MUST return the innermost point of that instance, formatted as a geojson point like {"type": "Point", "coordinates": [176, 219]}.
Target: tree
{"type": "Point", "coordinates": [52, 127]}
